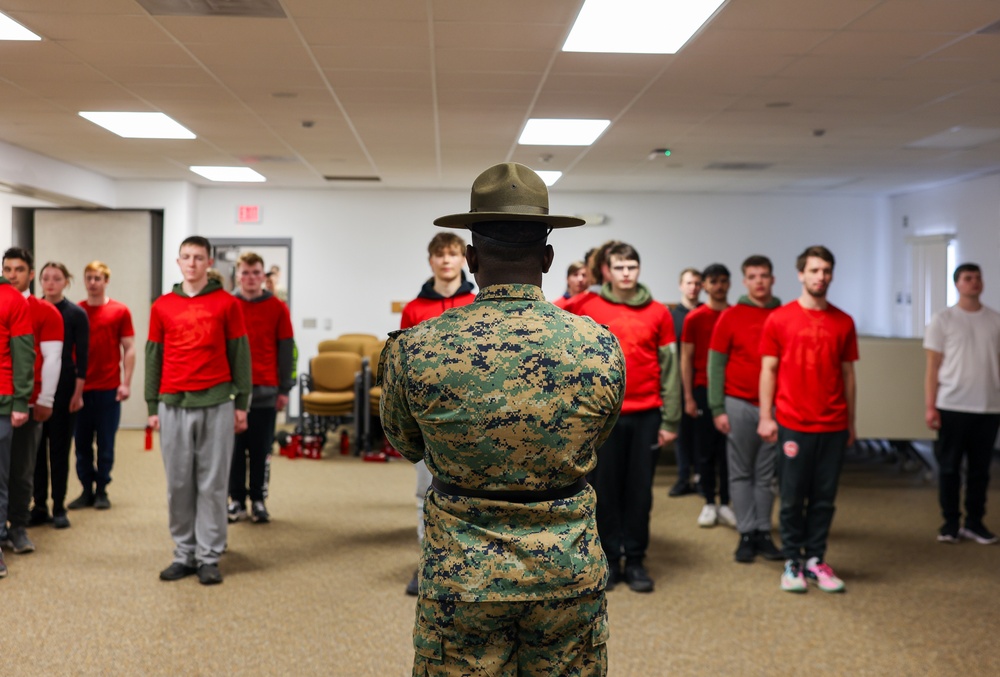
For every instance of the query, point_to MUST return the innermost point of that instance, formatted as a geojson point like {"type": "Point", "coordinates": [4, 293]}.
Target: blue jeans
{"type": "Point", "coordinates": [99, 418]}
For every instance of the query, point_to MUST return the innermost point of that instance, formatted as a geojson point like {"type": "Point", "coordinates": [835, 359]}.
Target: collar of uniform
{"type": "Point", "coordinates": [520, 292]}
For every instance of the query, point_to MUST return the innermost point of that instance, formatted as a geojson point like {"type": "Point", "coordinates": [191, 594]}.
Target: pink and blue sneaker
{"type": "Point", "coordinates": [792, 580]}
{"type": "Point", "coordinates": [822, 575]}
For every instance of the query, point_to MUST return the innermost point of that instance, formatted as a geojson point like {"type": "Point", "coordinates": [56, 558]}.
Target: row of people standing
{"type": "Point", "coordinates": [70, 361]}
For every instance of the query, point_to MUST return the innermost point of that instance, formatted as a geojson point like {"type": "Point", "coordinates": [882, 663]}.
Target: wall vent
{"type": "Point", "coordinates": [255, 8]}
{"type": "Point", "coordinates": [739, 166]}
{"type": "Point", "coordinates": [352, 178]}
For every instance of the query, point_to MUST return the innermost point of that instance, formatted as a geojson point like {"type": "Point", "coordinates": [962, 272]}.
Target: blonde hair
{"type": "Point", "coordinates": [98, 267]}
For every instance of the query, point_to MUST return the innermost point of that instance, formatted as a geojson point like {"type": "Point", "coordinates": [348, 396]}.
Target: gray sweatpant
{"type": "Point", "coordinates": [751, 467]}
{"type": "Point", "coordinates": [197, 447]}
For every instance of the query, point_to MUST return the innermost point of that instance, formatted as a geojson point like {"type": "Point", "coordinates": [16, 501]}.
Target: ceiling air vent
{"type": "Point", "coordinates": [254, 8]}
{"type": "Point", "coordinates": [992, 29]}
{"type": "Point", "coordinates": [739, 166]}
{"type": "Point", "coordinates": [352, 178]}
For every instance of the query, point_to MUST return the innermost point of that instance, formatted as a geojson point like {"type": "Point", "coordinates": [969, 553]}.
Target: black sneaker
{"type": "Point", "coordinates": [19, 541]}
{"type": "Point", "coordinates": [637, 578]}
{"type": "Point", "coordinates": [746, 551]}
{"type": "Point", "coordinates": [681, 489]}
{"type": "Point", "coordinates": [60, 521]}
{"type": "Point", "coordinates": [5, 538]}
{"type": "Point", "coordinates": [85, 500]}
{"type": "Point", "coordinates": [209, 574]}
{"type": "Point", "coordinates": [101, 501]}
{"type": "Point", "coordinates": [974, 531]}
{"type": "Point", "coordinates": [258, 513]}
{"type": "Point", "coordinates": [38, 517]}
{"type": "Point", "coordinates": [948, 533]}
{"type": "Point", "coordinates": [177, 571]}
{"type": "Point", "coordinates": [413, 587]}
{"type": "Point", "coordinates": [765, 546]}
{"type": "Point", "coordinates": [236, 511]}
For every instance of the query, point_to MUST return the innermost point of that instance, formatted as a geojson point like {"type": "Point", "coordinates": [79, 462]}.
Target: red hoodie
{"type": "Point", "coordinates": [429, 303]}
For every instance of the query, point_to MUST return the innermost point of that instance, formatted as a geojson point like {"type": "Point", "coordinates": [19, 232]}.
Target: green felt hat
{"type": "Point", "coordinates": [509, 192]}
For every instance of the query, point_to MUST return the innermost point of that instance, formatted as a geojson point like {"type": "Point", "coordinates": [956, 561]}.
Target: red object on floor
{"type": "Point", "coordinates": [293, 449]}
{"type": "Point", "coordinates": [375, 457]}
{"type": "Point", "coordinates": [312, 446]}
{"type": "Point", "coordinates": [345, 443]}
{"type": "Point", "coordinates": [149, 438]}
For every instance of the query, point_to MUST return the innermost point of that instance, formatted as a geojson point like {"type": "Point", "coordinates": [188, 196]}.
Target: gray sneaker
{"type": "Point", "coordinates": [19, 541]}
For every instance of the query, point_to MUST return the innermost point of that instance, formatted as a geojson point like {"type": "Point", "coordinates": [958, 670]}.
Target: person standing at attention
{"type": "Point", "coordinates": [808, 349]}
{"type": "Point", "coordinates": [962, 396]}
{"type": "Point", "coordinates": [198, 383]}
{"type": "Point", "coordinates": [57, 432]}
{"type": "Point", "coordinates": [272, 350]}
{"type": "Point", "coordinates": [445, 289]}
{"type": "Point", "coordinates": [733, 397]}
{"type": "Point", "coordinates": [507, 400]}
{"type": "Point", "coordinates": [110, 364]}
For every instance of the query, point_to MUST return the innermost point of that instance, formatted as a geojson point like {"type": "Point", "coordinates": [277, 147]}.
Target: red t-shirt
{"type": "Point", "coordinates": [268, 322]}
{"type": "Point", "coordinates": [811, 347]}
{"type": "Point", "coordinates": [698, 326]}
{"type": "Point", "coordinates": [194, 332]}
{"type": "Point", "coordinates": [641, 331]}
{"type": "Point", "coordinates": [109, 324]}
{"type": "Point", "coordinates": [47, 325]}
{"type": "Point", "coordinates": [737, 335]}
{"type": "Point", "coordinates": [420, 309]}
{"type": "Point", "coordinates": [15, 320]}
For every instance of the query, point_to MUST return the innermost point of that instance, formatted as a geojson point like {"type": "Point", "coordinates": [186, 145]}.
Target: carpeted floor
{"type": "Point", "coordinates": [319, 591]}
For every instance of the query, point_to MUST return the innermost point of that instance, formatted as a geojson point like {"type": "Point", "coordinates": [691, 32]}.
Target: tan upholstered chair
{"type": "Point", "coordinates": [358, 346]}
{"type": "Point", "coordinates": [329, 392]}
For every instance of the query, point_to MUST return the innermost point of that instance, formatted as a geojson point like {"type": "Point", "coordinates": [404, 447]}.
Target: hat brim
{"type": "Point", "coordinates": [471, 218]}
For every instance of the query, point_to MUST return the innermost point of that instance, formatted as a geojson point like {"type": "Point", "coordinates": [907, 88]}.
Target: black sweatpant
{"type": "Point", "coordinates": [253, 445]}
{"type": "Point", "coordinates": [623, 480]}
{"type": "Point", "coordinates": [53, 454]}
{"type": "Point", "coordinates": [710, 450]}
{"type": "Point", "coordinates": [969, 436]}
{"type": "Point", "coordinates": [808, 473]}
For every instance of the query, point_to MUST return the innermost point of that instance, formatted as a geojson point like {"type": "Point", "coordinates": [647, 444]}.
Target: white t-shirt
{"type": "Point", "coordinates": [969, 377]}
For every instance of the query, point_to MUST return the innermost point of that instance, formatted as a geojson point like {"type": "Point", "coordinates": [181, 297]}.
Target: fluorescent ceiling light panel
{"type": "Point", "coordinates": [638, 26]}
{"type": "Point", "coordinates": [549, 177]}
{"type": "Point", "coordinates": [556, 132]}
{"type": "Point", "coordinates": [139, 125]}
{"type": "Point", "coordinates": [240, 174]}
{"type": "Point", "coordinates": [11, 30]}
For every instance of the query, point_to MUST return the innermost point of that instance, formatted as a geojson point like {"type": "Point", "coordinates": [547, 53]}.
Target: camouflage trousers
{"type": "Point", "coordinates": [555, 638]}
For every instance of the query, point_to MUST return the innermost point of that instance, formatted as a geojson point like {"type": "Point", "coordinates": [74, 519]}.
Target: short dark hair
{"type": "Point", "coordinates": [713, 271]}
{"type": "Point", "coordinates": [965, 268]}
{"type": "Point", "coordinates": [20, 253]}
{"type": "Point", "coordinates": [693, 271]}
{"type": "Point", "coordinates": [817, 250]}
{"type": "Point", "coordinates": [757, 261]}
{"type": "Point", "coordinates": [197, 241]}
{"type": "Point", "coordinates": [575, 267]}
{"type": "Point", "coordinates": [597, 257]}
{"type": "Point", "coordinates": [623, 251]}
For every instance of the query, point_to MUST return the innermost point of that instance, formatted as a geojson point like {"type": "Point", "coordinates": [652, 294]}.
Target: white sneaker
{"type": "Point", "coordinates": [709, 516]}
{"type": "Point", "coordinates": [727, 516]}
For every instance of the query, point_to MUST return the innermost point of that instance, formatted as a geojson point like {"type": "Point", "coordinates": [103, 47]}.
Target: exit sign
{"type": "Point", "coordinates": [248, 214]}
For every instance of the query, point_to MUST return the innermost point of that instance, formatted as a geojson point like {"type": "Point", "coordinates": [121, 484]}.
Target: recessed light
{"type": "Point", "coordinates": [558, 132]}
{"type": "Point", "coordinates": [234, 174]}
{"type": "Point", "coordinates": [139, 125]}
{"type": "Point", "coordinates": [549, 177]}
{"type": "Point", "coordinates": [11, 30]}
{"type": "Point", "coordinates": [638, 26]}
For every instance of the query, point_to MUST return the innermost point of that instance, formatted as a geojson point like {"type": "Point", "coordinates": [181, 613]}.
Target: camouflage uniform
{"type": "Point", "coordinates": [507, 394]}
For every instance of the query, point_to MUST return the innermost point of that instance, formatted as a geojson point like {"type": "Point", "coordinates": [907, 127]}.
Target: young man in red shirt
{"type": "Point", "coordinates": [47, 328]}
{"type": "Point", "coordinates": [111, 353]}
{"type": "Point", "coordinates": [808, 349]}
{"type": "Point", "coordinates": [626, 462]}
{"type": "Point", "coordinates": [447, 288]}
{"type": "Point", "coordinates": [709, 443]}
{"type": "Point", "coordinates": [272, 351]}
{"type": "Point", "coordinates": [17, 359]}
{"type": "Point", "coordinates": [733, 397]}
{"type": "Point", "coordinates": [198, 383]}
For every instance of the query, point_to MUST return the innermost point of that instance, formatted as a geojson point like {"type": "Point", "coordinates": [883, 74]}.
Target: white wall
{"type": "Point", "coordinates": [970, 210]}
{"type": "Point", "coordinates": [354, 252]}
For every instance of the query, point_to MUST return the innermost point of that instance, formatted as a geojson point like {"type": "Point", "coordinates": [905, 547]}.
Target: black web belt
{"type": "Point", "coordinates": [525, 496]}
